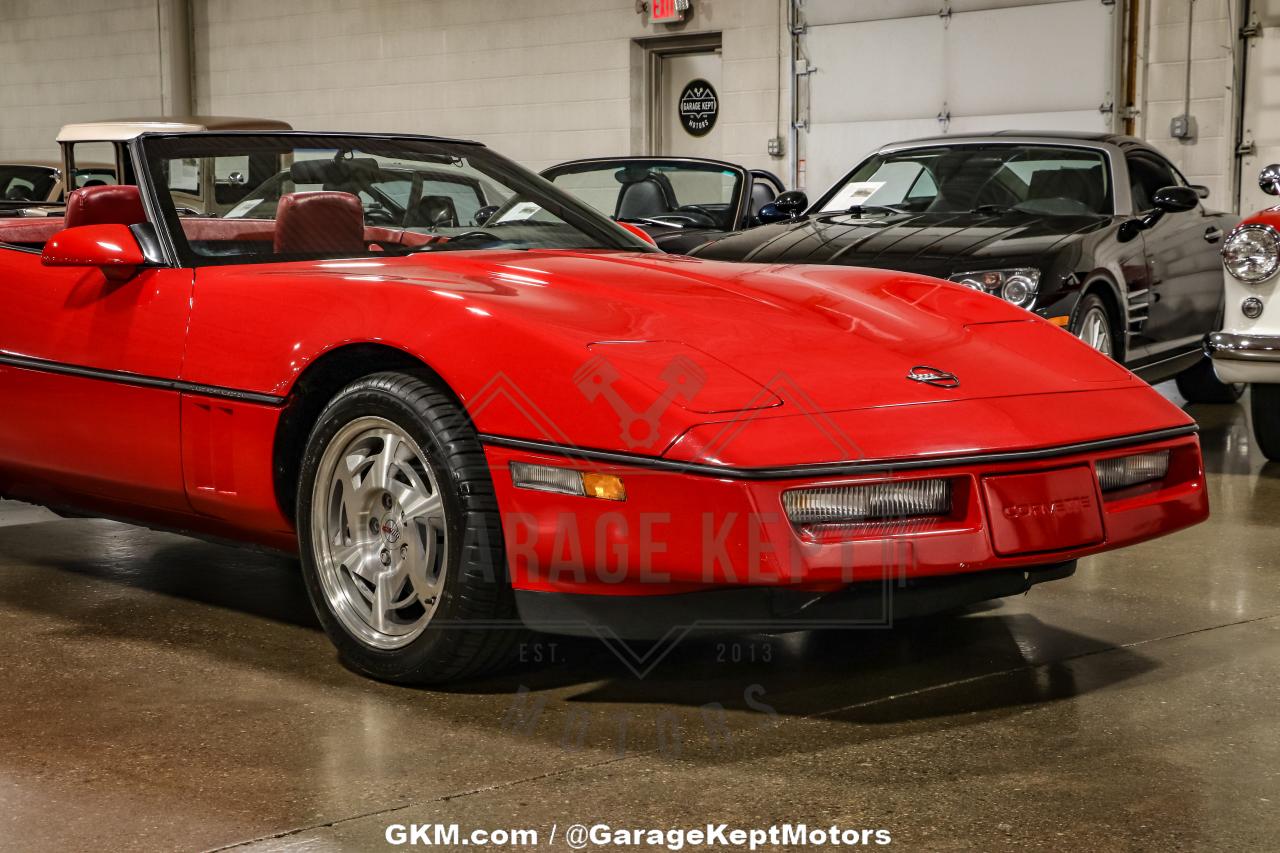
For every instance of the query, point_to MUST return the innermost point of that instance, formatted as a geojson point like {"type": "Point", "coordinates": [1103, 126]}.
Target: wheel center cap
{"type": "Point", "coordinates": [390, 530]}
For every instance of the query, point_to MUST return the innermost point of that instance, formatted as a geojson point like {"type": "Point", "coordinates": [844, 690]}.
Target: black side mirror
{"type": "Point", "coordinates": [1201, 190]}
{"type": "Point", "coordinates": [1269, 179]}
{"type": "Point", "coordinates": [483, 214]}
{"type": "Point", "coordinates": [1176, 199]}
{"type": "Point", "coordinates": [792, 203]}
{"type": "Point", "coordinates": [1173, 199]}
{"type": "Point", "coordinates": [785, 207]}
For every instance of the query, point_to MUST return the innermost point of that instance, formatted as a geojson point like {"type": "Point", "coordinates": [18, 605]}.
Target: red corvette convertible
{"type": "Point", "coordinates": [464, 424]}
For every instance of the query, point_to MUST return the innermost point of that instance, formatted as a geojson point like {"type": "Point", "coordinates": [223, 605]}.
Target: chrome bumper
{"type": "Point", "coordinates": [1224, 346]}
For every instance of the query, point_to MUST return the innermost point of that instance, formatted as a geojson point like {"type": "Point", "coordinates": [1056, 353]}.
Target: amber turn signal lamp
{"type": "Point", "coordinates": [604, 486]}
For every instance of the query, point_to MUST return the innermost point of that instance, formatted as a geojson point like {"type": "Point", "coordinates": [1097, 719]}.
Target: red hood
{"type": "Point", "coordinates": [846, 338]}
{"type": "Point", "coordinates": [631, 352]}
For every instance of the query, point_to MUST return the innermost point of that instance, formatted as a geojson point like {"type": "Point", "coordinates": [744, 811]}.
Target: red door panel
{"type": "Point", "coordinates": [88, 415]}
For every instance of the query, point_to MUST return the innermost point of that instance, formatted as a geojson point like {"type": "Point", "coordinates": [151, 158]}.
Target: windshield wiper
{"type": "Point", "coordinates": [992, 208]}
{"type": "Point", "coordinates": [467, 239]}
{"type": "Point", "coordinates": [862, 209]}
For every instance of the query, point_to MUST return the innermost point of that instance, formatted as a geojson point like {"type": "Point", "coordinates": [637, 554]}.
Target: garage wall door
{"type": "Point", "coordinates": [1260, 128]}
{"type": "Point", "coordinates": [887, 69]}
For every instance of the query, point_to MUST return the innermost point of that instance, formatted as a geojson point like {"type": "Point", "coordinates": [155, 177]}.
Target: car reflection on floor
{"type": "Point", "coordinates": [143, 667]}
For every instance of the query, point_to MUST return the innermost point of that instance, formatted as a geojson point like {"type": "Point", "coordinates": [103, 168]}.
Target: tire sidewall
{"type": "Point", "coordinates": [1265, 412]}
{"type": "Point", "coordinates": [434, 645]}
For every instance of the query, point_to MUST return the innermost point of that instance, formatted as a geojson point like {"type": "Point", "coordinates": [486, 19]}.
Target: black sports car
{"type": "Point", "coordinates": [679, 201]}
{"type": "Point", "coordinates": [1094, 232]}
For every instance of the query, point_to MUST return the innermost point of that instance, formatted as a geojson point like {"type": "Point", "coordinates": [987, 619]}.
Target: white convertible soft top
{"type": "Point", "coordinates": [127, 128]}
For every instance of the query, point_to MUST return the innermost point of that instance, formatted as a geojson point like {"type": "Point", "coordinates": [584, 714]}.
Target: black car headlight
{"type": "Point", "coordinates": [1017, 286]}
{"type": "Point", "coordinates": [1252, 253]}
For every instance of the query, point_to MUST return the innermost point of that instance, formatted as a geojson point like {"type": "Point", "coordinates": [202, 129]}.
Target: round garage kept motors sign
{"type": "Point", "coordinates": [699, 107]}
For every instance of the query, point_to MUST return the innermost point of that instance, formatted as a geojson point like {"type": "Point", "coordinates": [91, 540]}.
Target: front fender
{"type": "Point", "coordinates": [520, 371]}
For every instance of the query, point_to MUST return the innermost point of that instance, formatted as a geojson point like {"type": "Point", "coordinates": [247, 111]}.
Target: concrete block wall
{"type": "Point", "coordinates": [73, 60]}
{"type": "Point", "coordinates": [1208, 159]}
{"type": "Point", "coordinates": [541, 82]}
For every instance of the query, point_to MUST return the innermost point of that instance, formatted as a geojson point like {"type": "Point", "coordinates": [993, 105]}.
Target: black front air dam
{"type": "Point", "coordinates": [746, 610]}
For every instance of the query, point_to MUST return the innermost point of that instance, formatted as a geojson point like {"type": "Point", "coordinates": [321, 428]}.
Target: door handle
{"type": "Point", "coordinates": [1213, 234]}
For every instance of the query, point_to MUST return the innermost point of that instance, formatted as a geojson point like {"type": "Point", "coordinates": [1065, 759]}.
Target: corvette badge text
{"type": "Point", "coordinates": [579, 836]}
{"type": "Point", "coordinates": [1064, 506]}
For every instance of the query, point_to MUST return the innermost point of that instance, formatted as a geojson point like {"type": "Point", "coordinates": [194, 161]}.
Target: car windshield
{"type": "Point", "coordinates": [26, 183]}
{"type": "Point", "coordinates": [1045, 180]}
{"type": "Point", "coordinates": [295, 196]}
{"type": "Point", "coordinates": [386, 194]}
{"type": "Point", "coordinates": [683, 194]}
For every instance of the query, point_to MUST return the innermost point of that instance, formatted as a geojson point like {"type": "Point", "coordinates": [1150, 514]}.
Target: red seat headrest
{"type": "Point", "coordinates": [105, 205]}
{"type": "Point", "coordinates": [320, 222]}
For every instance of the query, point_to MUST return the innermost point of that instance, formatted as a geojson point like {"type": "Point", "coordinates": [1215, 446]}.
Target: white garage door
{"type": "Point", "coordinates": [896, 69]}
{"type": "Point", "coordinates": [1261, 121]}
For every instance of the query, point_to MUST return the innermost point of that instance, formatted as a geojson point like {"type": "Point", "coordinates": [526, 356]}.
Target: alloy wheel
{"type": "Point", "coordinates": [1095, 330]}
{"type": "Point", "coordinates": [380, 533]}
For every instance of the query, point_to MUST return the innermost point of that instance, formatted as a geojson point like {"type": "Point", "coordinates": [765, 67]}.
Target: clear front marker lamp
{"type": "Point", "coordinates": [900, 499]}
{"type": "Point", "coordinates": [1121, 472]}
{"type": "Point", "coordinates": [567, 481]}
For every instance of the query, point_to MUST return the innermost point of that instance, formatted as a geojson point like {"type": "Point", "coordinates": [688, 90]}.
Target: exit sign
{"type": "Point", "coordinates": [667, 11]}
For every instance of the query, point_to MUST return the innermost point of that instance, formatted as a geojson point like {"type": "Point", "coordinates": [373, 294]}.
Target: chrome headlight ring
{"type": "Point", "coordinates": [1251, 252]}
{"type": "Point", "coordinates": [1017, 285]}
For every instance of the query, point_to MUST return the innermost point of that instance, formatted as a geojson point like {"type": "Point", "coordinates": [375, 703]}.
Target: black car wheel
{"type": "Point", "coordinates": [1199, 384]}
{"type": "Point", "coordinates": [399, 534]}
{"type": "Point", "coordinates": [1094, 326]}
{"type": "Point", "coordinates": [1266, 419]}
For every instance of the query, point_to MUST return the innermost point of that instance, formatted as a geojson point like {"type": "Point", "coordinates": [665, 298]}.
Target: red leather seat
{"type": "Point", "coordinates": [104, 205]}
{"type": "Point", "coordinates": [321, 222]}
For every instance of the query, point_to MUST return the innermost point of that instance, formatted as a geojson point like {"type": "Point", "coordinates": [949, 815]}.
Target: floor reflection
{"type": "Point", "coordinates": [991, 659]}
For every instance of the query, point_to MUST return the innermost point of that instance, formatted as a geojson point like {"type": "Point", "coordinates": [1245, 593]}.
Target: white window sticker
{"type": "Point", "coordinates": [243, 208]}
{"type": "Point", "coordinates": [521, 212]}
{"type": "Point", "coordinates": [852, 194]}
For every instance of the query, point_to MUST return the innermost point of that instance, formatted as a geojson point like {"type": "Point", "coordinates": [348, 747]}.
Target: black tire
{"type": "Point", "coordinates": [1265, 407]}
{"type": "Point", "coordinates": [1199, 384]}
{"type": "Point", "coordinates": [1087, 305]}
{"type": "Point", "coordinates": [476, 587]}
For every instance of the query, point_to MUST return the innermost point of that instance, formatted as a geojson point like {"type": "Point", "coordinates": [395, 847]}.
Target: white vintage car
{"type": "Point", "coordinates": [1247, 350]}
{"type": "Point", "coordinates": [96, 152]}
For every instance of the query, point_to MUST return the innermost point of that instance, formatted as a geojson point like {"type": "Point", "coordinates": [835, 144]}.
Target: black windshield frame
{"type": "Point", "coordinates": [151, 150]}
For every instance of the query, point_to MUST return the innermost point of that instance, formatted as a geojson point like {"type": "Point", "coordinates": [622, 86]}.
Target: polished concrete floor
{"type": "Point", "coordinates": [158, 693]}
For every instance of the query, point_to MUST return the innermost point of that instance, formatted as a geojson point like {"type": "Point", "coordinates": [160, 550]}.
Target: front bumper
{"type": "Point", "coordinates": [681, 532]}
{"type": "Point", "coordinates": [1227, 346]}
{"type": "Point", "coordinates": [1244, 358]}
{"type": "Point", "coordinates": [758, 609]}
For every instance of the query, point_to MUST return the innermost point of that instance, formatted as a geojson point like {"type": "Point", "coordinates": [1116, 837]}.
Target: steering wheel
{"type": "Point", "coordinates": [473, 236]}
{"type": "Point", "coordinates": [697, 215]}
{"type": "Point", "coordinates": [379, 215]}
